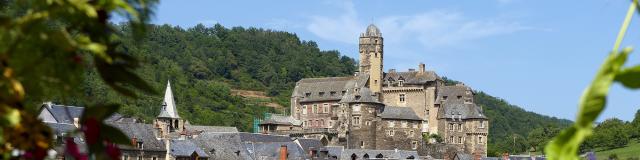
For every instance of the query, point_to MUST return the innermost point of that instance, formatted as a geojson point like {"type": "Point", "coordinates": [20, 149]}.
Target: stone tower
{"type": "Point", "coordinates": [168, 120]}
{"type": "Point", "coordinates": [371, 53]}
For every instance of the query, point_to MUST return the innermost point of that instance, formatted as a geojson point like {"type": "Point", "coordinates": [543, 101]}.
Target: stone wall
{"type": "Point", "coordinates": [398, 134]}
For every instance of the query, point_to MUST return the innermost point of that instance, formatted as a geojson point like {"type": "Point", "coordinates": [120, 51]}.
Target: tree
{"type": "Point", "coordinates": [634, 126]}
{"type": "Point", "coordinates": [46, 46]}
{"type": "Point", "coordinates": [612, 133]}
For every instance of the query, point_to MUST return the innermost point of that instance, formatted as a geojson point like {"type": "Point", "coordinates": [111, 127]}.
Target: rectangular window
{"type": "Point", "coordinates": [481, 124]}
{"type": "Point", "coordinates": [361, 144]}
{"type": "Point", "coordinates": [325, 108]}
{"type": "Point", "coordinates": [459, 97]}
{"type": "Point", "coordinates": [402, 96]}
{"type": "Point", "coordinates": [450, 126]}
{"type": "Point", "coordinates": [304, 109]}
{"type": "Point", "coordinates": [390, 132]}
{"type": "Point", "coordinates": [315, 108]}
{"type": "Point", "coordinates": [125, 157]}
{"type": "Point", "coordinates": [460, 127]}
{"type": "Point", "coordinates": [414, 144]}
{"type": "Point", "coordinates": [480, 140]}
{"type": "Point", "coordinates": [451, 139]}
{"type": "Point", "coordinates": [356, 120]}
{"type": "Point", "coordinates": [460, 140]}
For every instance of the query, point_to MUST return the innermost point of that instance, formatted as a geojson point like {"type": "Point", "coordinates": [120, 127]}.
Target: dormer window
{"type": "Point", "coordinates": [321, 94]}
{"type": "Point", "coordinates": [400, 83]}
{"type": "Point", "coordinates": [140, 145]}
{"type": "Point", "coordinates": [307, 94]}
{"type": "Point", "coordinates": [332, 93]}
{"type": "Point", "coordinates": [357, 97]}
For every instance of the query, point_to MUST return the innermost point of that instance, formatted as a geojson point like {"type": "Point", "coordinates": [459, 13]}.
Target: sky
{"type": "Point", "coordinates": [539, 55]}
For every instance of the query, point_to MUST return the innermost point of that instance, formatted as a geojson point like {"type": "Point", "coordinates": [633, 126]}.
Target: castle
{"type": "Point", "coordinates": [384, 110]}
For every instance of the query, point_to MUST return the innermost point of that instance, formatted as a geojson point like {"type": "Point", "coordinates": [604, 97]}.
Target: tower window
{"type": "Point", "coordinates": [414, 144]}
{"type": "Point", "coordinates": [480, 140]}
{"type": "Point", "coordinates": [361, 144]}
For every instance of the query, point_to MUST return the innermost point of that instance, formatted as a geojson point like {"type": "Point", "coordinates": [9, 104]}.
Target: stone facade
{"type": "Point", "coordinates": [353, 107]}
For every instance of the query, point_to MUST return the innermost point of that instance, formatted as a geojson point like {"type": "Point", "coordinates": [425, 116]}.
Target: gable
{"type": "Point", "coordinates": [46, 116]}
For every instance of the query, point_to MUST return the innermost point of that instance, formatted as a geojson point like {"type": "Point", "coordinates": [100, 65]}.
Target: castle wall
{"type": "Point", "coordinates": [398, 134]}
{"type": "Point", "coordinates": [318, 117]}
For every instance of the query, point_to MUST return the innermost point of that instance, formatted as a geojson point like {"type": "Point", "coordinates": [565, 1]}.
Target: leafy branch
{"type": "Point", "coordinates": [593, 100]}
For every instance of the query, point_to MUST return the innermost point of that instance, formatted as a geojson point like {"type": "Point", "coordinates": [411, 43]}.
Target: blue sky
{"type": "Point", "coordinates": [537, 54]}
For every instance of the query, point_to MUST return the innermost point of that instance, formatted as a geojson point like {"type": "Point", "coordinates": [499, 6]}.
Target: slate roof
{"type": "Point", "coordinates": [66, 114]}
{"type": "Point", "coordinates": [271, 150]}
{"type": "Point", "coordinates": [184, 148]}
{"type": "Point", "coordinates": [335, 150]}
{"type": "Point", "coordinates": [63, 114]}
{"type": "Point", "coordinates": [452, 92]}
{"type": "Point", "coordinates": [197, 128]}
{"type": "Point", "coordinates": [308, 144]}
{"type": "Point", "coordinates": [372, 30]}
{"type": "Point", "coordinates": [460, 110]}
{"type": "Point", "coordinates": [362, 95]}
{"type": "Point", "coordinates": [406, 113]}
{"type": "Point", "coordinates": [254, 137]}
{"type": "Point", "coordinates": [283, 120]}
{"type": "Point", "coordinates": [143, 133]}
{"type": "Point", "coordinates": [223, 145]}
{"type": "Point", "coordinates": [389, 154]}
{"type": "Point", "coordinates": [411, 77]}
{"type": "Point", "coordinates": [168, 105]}
{"type": "Point", "coordinates": [60, 128]}
{"type": "Point", "coordinates": [313, 87]}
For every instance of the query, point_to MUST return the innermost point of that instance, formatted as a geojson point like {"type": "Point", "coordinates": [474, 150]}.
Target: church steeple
{"type": "Point", "coordinates": [371, 56]}
{"type": "Point", "coordinates": [168, 105]}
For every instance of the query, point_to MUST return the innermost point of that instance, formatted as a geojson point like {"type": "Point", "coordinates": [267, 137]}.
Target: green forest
{"type": "Point", "coordinates": [205, 63]}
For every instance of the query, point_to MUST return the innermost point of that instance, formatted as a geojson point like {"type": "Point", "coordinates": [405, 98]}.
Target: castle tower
{"type": "Point", "coordinates": [371, 53]}
{"type": "Point", "coordinates": [168, 120]}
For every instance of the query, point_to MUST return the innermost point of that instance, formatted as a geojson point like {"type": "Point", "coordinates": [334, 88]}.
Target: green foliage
{"type": "Point", "coordinates": [593, 100]}
{"type": "Point", "coordinates": [46, 46]}
{"type": "Point", "coordinates": [506, 119]}
{"type": "Point", "coordinates": [610, 134]}
{"type": "Point", "coordinates": [204, 63]}
{"type": "Point", "coordinates": [630, 151]}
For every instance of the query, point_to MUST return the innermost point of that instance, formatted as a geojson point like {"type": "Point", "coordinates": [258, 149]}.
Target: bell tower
{"type": "Point", "coordinates": [371, 53]}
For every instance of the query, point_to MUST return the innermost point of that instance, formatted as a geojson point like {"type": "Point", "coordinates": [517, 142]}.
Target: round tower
{"type": "Point", "coordinates": [371, 53]}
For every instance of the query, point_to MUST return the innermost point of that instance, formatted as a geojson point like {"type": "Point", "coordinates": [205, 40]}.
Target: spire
{"type": "Point", "coordinates": [168, 105]}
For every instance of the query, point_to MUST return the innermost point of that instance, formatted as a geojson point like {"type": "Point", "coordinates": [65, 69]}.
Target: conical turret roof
{"type": "Point", "coordinates": [168, 105]}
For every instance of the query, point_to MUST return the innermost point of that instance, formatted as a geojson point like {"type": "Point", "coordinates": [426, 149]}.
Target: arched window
{"type": "Point", "coordinates": [354, 157]}
{"type": "Point", "coordinates": [176, 124]}
{"type": "Point", "coordinates": [379, 155]}
{"type": "Point", "coordinates": [366, 156]}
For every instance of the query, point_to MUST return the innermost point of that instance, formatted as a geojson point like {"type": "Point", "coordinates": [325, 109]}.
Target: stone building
{"type": "Point", "coordinates": [168, 121]}
{"type": "Point", "coordinates": [377, 110]}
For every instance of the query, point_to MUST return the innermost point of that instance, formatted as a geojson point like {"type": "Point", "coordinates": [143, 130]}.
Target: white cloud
{"type": "Point", "coordinates": [341, 28]}
{"type": "Point", "coordinates": [432, 29]}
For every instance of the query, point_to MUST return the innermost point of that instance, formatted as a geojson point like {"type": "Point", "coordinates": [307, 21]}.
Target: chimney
{"type": "Point", "coordinates": [505, 156]}
{"type": "Point", "coordinates": [412, 70]}
{"type": "Point", "coordinates": [392, 70]}
{"type": "Point", "coordinates": [283, 152]}
{"type": "Point", "coordinates": [134, 141]}
{"type": "Point", "coordinates": [312, 152]}
{"type": "Point", "coordinates": [421, 67]}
